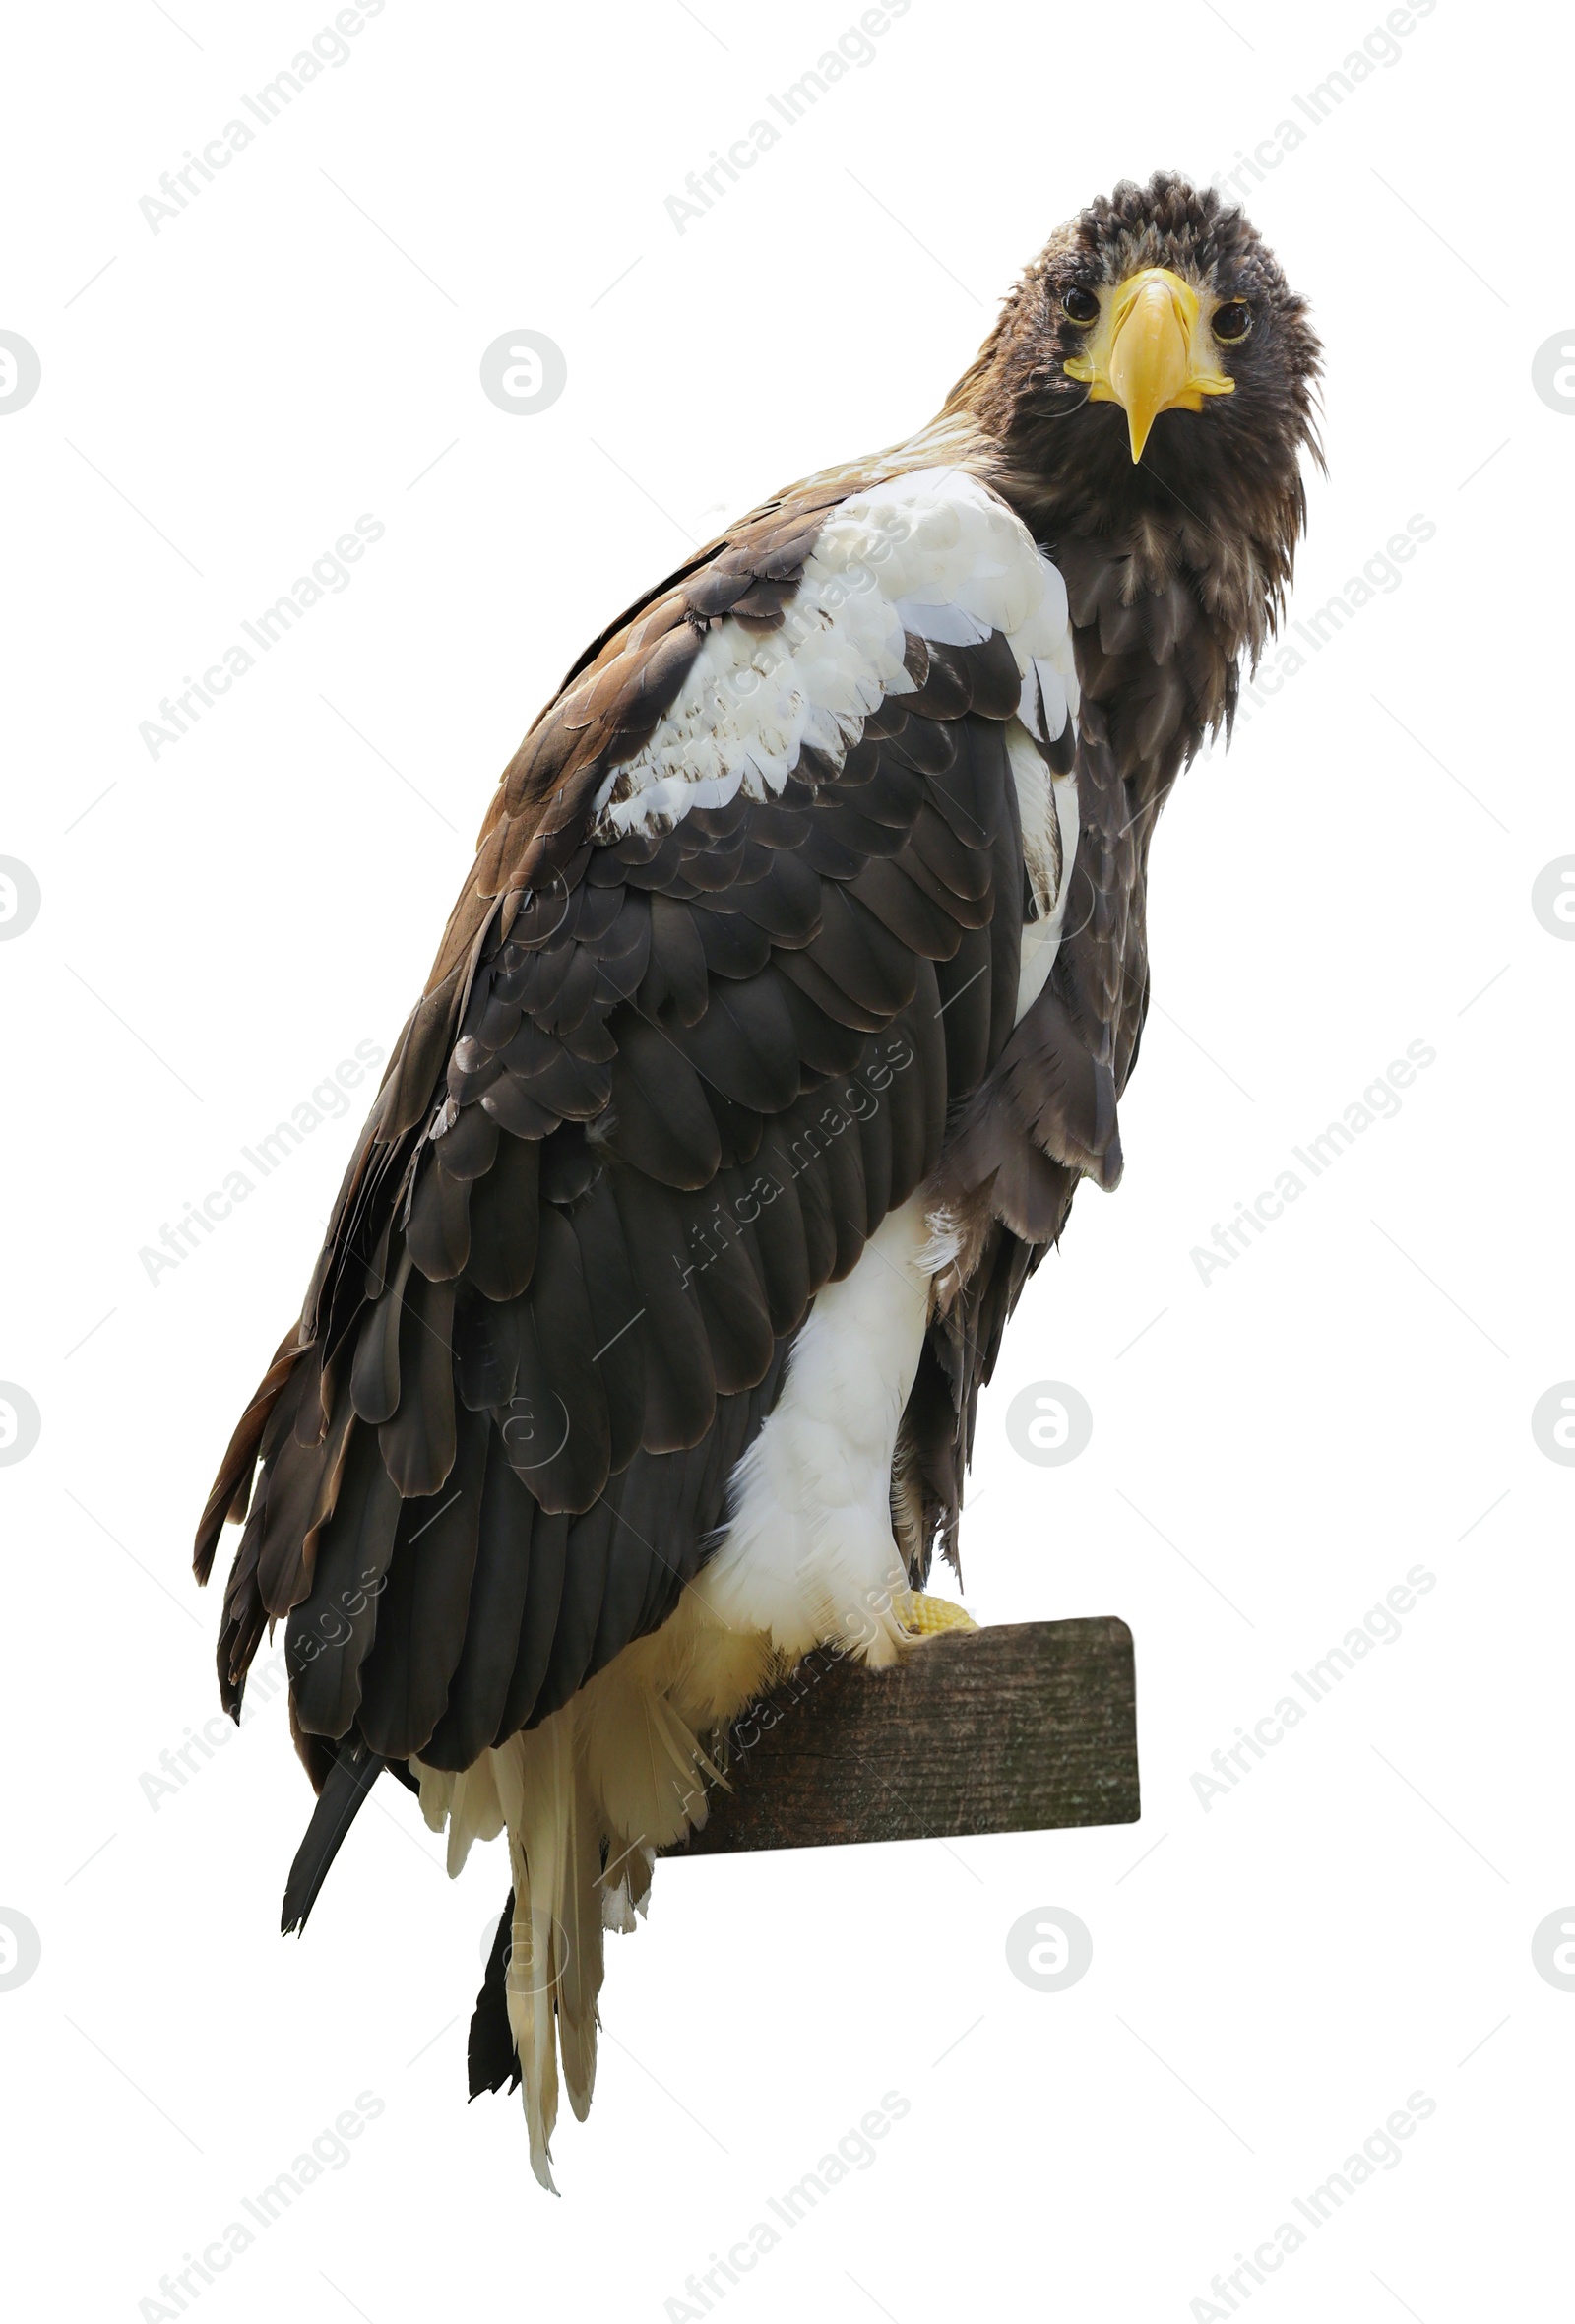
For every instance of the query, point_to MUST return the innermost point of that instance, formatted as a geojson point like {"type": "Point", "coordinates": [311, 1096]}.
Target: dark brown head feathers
{"type": "Point", "coordinates": [1221, 485]}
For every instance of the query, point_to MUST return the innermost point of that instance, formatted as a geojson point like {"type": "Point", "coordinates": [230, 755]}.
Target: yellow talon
{"type": "Point", "coordinates": [925, 1617]}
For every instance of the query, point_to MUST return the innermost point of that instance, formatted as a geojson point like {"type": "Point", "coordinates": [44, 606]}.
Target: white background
{"type": "Point", "coordinates": [1272, 1976]}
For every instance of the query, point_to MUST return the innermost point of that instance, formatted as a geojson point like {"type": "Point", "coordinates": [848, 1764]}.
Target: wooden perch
{"type": "Point", "coordinates": [1023, 1727]}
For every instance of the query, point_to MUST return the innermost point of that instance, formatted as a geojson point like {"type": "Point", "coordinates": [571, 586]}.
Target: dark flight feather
{"type": "Point", "coordinates": [355, 1770]}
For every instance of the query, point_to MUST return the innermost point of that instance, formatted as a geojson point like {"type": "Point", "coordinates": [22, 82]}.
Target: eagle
{"type": "Point", "coordinates": [792, 992]}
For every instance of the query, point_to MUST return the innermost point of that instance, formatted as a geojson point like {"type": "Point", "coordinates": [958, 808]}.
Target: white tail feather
{"type": "Point", "coordinates": [618, 1773]}
{"type": "Point", "coordinates": [530, 1773]}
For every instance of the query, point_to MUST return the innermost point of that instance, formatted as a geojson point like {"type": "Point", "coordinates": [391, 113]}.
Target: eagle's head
{"type": "Point", "coordinates": [1154, 370]}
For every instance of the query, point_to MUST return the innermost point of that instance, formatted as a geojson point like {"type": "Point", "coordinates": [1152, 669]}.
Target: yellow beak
{"type": "Point", "coordinates": [1150, 353]}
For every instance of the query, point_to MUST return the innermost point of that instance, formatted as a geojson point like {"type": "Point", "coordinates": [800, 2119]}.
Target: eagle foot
{"type": "Point", "coordinates": [923, 1616]}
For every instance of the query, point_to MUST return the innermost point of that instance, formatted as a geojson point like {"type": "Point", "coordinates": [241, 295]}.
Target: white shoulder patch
{"type": "Point", "coordinates": [933, 552]}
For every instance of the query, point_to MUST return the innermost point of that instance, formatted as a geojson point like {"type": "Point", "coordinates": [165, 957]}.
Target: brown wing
{"type": "Point", "coordinates": [657, 1094]}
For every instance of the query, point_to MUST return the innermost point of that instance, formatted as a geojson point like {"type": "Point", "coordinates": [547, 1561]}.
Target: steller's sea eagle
{"type": "Point", "coordinates": [794, 991]}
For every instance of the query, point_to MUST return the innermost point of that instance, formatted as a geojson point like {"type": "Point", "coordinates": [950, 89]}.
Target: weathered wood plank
{"type": "Point", "coordinates": [1022, 1727]}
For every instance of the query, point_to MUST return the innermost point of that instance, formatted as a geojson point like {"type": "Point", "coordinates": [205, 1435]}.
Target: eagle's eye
{"type": "Point", "coordinates": [1231, 322]}
{"type": "Point", "coordinates": [1081, 305]}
